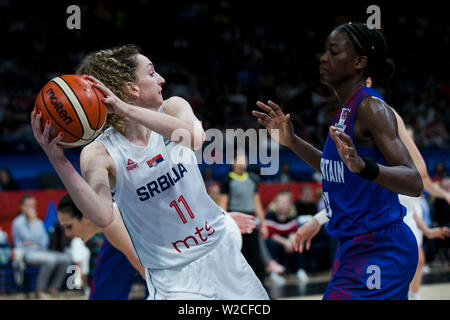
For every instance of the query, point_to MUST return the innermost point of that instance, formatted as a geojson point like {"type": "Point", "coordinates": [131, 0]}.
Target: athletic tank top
{"type": "Point", "coordinates": [162, 198]}
{"type": "Point", "coordinates": [355, 205]}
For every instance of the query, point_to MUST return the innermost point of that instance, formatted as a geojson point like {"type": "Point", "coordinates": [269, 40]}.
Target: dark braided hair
{"type": "Point", "coordinates": [370, 43]}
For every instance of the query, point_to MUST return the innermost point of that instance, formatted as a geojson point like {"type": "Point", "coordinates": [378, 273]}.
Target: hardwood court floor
{"type": "Point", "coordinates": [436, 286]}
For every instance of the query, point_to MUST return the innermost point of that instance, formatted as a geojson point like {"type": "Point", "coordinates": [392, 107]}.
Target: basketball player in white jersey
{"type": "Point", "coordinates": [413, 218]}
{"type": "Point", "coordinates": [177, 231]}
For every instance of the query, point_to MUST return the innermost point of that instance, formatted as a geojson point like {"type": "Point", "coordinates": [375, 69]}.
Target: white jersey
{"type": "Point", "coordinates": [169, 216]}
{"type": "Point", "coordinates": [412, 205]}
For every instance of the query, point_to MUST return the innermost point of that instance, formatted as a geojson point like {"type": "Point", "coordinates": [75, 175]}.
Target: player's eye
{"type": "Point", "coordinates": [152, 73]}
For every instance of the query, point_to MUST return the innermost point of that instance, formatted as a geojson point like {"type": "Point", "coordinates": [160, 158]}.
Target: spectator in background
{"type": "Point", "coordinates": [7, 181]}
{"type": "Point", "coordinates": [272, 267]}
{"type": "Point", "coordinates": [439, 171]}
{"type": "Point", "coordinates": [282, 224]}
{"type": "Point", "coordinates": [239, 192]}
{"type": "Point", "coordinates": [31, 239]}
{"type": "Point", "coordinates": [5, 252]}
{"type": "Point", "coordinates": [306, 204]}
{"type": "Point", "coordinates": [442, 213]}
{"type": "Point", "coordinates": [285, 173]}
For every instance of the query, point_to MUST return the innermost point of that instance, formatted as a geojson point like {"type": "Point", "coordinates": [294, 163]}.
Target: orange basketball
{"type": "Point", "coordinates": [74, 107]}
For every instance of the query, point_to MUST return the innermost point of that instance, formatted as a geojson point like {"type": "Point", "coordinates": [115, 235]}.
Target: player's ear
{"type": "Point", "coordinates": [132, 89]}
{"type": "Point", "coordinates": [360, 62]}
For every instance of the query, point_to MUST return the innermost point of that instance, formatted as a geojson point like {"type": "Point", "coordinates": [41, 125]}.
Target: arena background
{"type": "Point", "coordinates": [223, 56]}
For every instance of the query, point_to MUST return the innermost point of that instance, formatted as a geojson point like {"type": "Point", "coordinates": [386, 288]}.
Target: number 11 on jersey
{"type": "Point", "coordinates": [174, 204]}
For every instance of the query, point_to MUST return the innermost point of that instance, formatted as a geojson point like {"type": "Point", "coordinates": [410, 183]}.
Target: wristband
{"type": "Point", "coordinates": [321, 217]}
{"type": "Point", "coordinates": [371, 170]}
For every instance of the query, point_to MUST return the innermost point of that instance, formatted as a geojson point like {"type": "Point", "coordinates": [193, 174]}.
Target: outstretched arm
{"type": "Point", "coordinates": [431, 233]}
{"type": "Point", "coordinates": [281, 130]}
{"type": "Point", "coordinates": [433, 188]}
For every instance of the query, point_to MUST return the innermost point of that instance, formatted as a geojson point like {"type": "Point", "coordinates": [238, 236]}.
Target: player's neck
{"type": "Point", "coordinates": [137, 133]}
{"type": "Point", "coordinates": [344, 91]}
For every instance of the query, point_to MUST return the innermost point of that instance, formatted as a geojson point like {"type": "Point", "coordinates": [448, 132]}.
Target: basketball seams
{"type": "Point", "coordinates": [99, 115]}
{"type": "Point", "coordinates": [79, 102]}
{"type": "Point", "coordinates": [73, 107]}
{"type": "Point", "coordinates": [81, 114]}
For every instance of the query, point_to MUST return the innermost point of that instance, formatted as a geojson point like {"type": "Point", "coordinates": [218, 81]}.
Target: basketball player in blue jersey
{"type": "Point", "coordinates": [364, 166]}
{"type": "Point", "coordinates": [177, 231]}
{"type": "Point", "coordinates": [413, 219]}
{"type": "Point", "coordinates": [116, 264]}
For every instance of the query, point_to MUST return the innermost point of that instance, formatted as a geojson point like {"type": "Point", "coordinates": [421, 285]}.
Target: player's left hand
{"type": "Point", "coordinates": [49, 145]}
{"type": "Point", "coordinates": [347, 150]}
{"type": "Point", "coordinates": [114, 104]}
{"type": "Point", "coordinates": [440, 233]}
{"type": "Point", "coordinates": [245, 222]}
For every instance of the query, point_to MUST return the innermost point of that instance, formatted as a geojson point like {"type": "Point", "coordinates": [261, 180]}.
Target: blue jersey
{"type": "Point", "coordinates": [113, 275]}
{"type": "Point", "coordinates": [355, 205]}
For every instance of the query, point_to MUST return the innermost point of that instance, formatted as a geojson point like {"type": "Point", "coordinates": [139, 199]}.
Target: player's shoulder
{"type": "Point", "coordinates": [372, 108]}
{"type": "Point", "coordinates": [373, 102]}
{"type": "Point", "coordinates": [174, 100]}
{"type": "Point", "coordinates": [174, 104]}
{"type": "Point", "coordinates": [94, 150]}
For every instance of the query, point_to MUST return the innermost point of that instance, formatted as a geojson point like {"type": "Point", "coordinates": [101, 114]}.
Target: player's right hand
{"type": "Point", "coordinates": [50, 146]}
{"type": "Point", "coordinates": [305, 234]}
{"type": "Point", "coordinates": [113, 103]}
{"type": "Point", "coordinates": [275, 119]}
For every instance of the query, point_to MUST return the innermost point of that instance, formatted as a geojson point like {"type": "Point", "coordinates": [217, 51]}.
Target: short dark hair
{"type": "Point", "coordinates": [67, 205]}
{"type": "Point", "coordinates": [22, 201]}
{"type": "Point", "coordinates": [25, 198]}
{"type": "Point", "coordinates": [372, 44]}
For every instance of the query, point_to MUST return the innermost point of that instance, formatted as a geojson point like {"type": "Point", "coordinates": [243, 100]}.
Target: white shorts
{"type": "Point", "coordinates": [412, 205]}
{"type": "Point", "coordinates": [222, 274]}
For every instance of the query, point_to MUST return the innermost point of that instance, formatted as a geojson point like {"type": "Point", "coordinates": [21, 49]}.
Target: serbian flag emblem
{"type": "Point", "coordinates": [155, 160]}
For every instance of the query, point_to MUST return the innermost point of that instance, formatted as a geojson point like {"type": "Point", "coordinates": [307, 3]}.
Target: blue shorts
{"type": "Point", "coordinates": [374, 266]}
{"type": "Point", "coordinates": [113, 275]}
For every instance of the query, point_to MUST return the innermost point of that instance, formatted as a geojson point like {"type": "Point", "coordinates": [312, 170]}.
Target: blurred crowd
{"type": "Point", "coordinates": [223, 57]}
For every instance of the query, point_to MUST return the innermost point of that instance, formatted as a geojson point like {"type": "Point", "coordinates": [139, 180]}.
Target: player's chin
{"type": "Point", "coordinates": [325, 79]}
